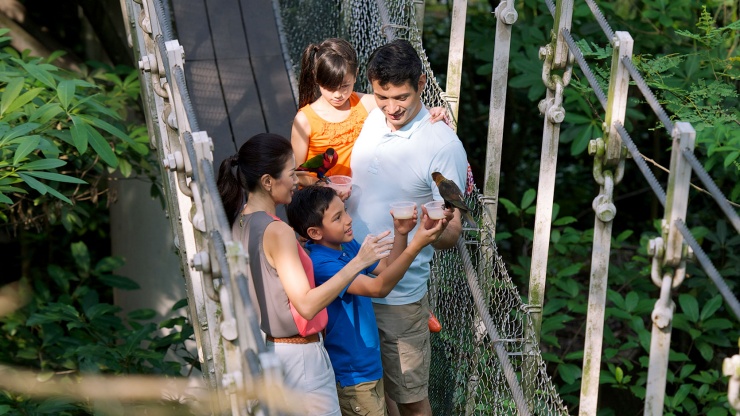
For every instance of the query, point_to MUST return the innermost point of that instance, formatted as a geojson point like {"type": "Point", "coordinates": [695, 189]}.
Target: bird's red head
{"type": "Point", "coordinates": [330, 158]}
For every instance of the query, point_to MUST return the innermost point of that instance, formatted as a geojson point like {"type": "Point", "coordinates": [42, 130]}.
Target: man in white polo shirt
{"type": "Point", "coordinates": [393, 160]}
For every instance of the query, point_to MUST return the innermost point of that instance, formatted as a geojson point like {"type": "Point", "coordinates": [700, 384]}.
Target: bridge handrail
{"type": "Point", "coordinates": [231, 348]}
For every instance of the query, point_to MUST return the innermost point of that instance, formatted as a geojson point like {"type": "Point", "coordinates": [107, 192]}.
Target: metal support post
{"type": "Point", "coordinates": [506, 16]}
{"type": "Point", "coordinates": [608, 171]}
{"type": "Point", "coordinates": [670, 257]}
{"type": "Point", "coordinates": [455, 57]}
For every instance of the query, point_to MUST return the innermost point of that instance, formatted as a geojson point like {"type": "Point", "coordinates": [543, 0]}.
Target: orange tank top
{"type": "Point", "coordinates": [341, 136]}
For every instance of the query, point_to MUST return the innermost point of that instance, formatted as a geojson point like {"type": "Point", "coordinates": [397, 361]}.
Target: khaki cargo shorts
{"type": "Point", "coordinates": [367, 399]}
{"type": "Point", "coordinates": [405, 349]}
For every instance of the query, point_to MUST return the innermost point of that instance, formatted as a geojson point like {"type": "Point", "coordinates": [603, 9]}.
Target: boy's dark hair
{"type": "Point", "coordinates": [395, 63]}
{"type": "Point", "coordinates": [307, 208]}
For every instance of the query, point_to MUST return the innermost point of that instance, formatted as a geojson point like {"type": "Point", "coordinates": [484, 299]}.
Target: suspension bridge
{"type": "Point", "coordinates": [215, 72]}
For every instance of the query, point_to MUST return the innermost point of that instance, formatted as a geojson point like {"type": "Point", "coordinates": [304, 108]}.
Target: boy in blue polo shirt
{"type": "Point", "coordinates": [318, 214]}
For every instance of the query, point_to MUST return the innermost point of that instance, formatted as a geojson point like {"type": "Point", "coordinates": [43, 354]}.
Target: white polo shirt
{"type": "Point", "coordinates": [397, 166]}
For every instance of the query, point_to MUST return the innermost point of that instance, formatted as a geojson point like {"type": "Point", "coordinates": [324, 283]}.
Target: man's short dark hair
{"type": "Point", "coordinates": [395, 63]}
{"type": "Point", "coordinates": [307, 208]}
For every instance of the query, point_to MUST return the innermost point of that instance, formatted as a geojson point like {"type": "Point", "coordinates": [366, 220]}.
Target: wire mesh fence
{"type": "Point", "coordinates": [475, 368]}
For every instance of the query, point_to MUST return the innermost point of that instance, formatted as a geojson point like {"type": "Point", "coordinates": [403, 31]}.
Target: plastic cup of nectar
{"type": "Point", "coordinates": [340, 183]}
{"type": "Point", "coordinates": [403, 210]}
{"type": "Point", "coordinates": [435, 209]}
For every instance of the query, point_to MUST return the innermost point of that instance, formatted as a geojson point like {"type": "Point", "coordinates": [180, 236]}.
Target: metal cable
{"type": "Point", "coordinates": [209, 179]}
{"type": "Point", "coordinates": [637, 157]}
{"type": "Point", "coordinates": [159, 39]}
{"type": "Point", "coordinates": [249, 312]}
{"type": "Point", "coordinates": [712, 187]}
{"type": "Point", "coordinates": [601, 20]}
{"type": "Point", "coordinates": [223, 263]}
{"type": "Point", "coordinates": [576, 51]}
{"type": "Point", "coordinates": [648, 94]}
{"type": "Point", "coordinates": [190, 149]}
{"type": "Point", "coordinates": [187, 104]}
{"type": "Point", "coordinates": [709, 268]}
{"type": "Point", "coordinates": [509, 372]}
{"type": "Point", "coordinates": [163, 17]}
{"type": "Point", "coordinates": [550, 6]}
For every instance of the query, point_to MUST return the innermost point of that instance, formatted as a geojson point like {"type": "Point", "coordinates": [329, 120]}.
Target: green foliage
{"type": "Point", "coordinates": [67, 331]}
{"type": "Point", "coordinates": [55, 129]}
{"type": "Point", "coordinates": [704, 331]}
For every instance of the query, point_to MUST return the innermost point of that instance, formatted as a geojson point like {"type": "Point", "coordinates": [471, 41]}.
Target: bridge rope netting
{"type": "Point", "coordinates": [482, 361]}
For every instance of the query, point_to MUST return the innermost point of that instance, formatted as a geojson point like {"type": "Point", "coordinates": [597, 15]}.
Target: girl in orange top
{"type": "Point", "coordinates": [331, 114]}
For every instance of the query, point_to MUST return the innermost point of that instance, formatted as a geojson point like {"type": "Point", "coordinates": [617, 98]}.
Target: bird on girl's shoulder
{"type": "Point", "coordinates": [320, 164]}
{"type": "Point", "coordinates": [453, 197]}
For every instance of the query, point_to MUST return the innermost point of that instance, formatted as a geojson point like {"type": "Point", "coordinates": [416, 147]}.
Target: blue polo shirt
{"type": "Point", "coordinates": [351, 334]}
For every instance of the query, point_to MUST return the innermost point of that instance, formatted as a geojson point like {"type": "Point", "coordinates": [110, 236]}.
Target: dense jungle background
{"type": "Point", "coordinates": [70, 123]}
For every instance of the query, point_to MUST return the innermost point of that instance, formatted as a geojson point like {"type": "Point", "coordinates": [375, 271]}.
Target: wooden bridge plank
{"type": "Point", "coordinates": [227, 29]}
{"type": "Point", "coordinates": [242, 100]}
{"type": "Point", "coordinates": [192, 29]}
{"type": "Point", "coordinates": [271, 76]}
{"type": "Point", "coordinates": [208, 102]}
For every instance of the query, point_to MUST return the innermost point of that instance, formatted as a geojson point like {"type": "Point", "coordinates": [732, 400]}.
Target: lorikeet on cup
{"type": "Point", "coordinates": [320, 164]}
{"type": "Point", "coordinates": [453, 197]}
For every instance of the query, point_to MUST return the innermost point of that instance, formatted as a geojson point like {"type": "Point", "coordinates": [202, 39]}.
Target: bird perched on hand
{"type": "Point", "coordinates": [453, 197]}
{"type": "Point", "coordinates": [320, 164]}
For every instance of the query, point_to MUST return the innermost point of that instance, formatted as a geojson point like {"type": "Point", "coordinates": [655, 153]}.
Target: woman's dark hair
{"type": "Point", "coordinates": [307, 208]}
{"type": "Point", "coordinates": [325, 64]}
{"type": "Point", "coordinates": [261, 154]}
{"type": "Point", "coordinates": [395, 63]}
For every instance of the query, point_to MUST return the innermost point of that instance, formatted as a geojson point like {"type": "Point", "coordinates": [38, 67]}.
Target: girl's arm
{"type": "Point", "coordinates": [299, 137]}
{"type": "Point", "coordinates": [381, 286]}
{"type": "Point", "coordinates": [299, 140]}
{"type": "Point", "coordinates": [281, 251]}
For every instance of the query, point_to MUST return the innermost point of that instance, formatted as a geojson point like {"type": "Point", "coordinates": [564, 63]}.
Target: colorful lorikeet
{"type": "Point", "coordinates": [320, 164]}
{"type": "Point", "coordinates": [453, 197]}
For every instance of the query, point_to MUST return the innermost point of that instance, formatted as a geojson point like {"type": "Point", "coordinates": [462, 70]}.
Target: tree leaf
{"type": "Point", "coordinates": [81, 255]}
{"type": "Point", "coordinates": [711, 307]}
{"type": "Point", "coordinates": [119, 282]}
{"type": "Point", "coordinates": [102, 147]}
{"type": "Point", "coordinates": [113, 130]}
{"type": "Point", "coordinates": [142, 314]}
{"type": "Point", "coordinates": [65, 92]}
{"type": "Point", "coordinates": [33, 183]}
{"type": "Point", "coordinates": [45, 113]}
{"type": "Point", "coordinates": [24, 99]}
{"type": "Point", "coordinates": [80, 134]}
{"type": "Point", "coordinates": [38, 71]}
{"type": "Point", "coordinates": [58, 177]}
{"type": "Point", "coordinates": [25, 148]}
{"type": "Point", "coordinates": [689, 306]}
{"type": "Point", "coordinates": [11, 92]}
{"type": "Point", "coordinates": [528, 198]}
{"type": "Point", "coordinates": [43, 164]}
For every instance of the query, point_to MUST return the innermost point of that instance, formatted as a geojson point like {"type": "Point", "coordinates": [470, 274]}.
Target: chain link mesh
{"type": "Point", "coordinates": [466, 375]}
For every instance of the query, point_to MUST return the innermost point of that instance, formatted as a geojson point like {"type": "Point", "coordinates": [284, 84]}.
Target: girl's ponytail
{"type": "Point", "coordinates": [308, 89]}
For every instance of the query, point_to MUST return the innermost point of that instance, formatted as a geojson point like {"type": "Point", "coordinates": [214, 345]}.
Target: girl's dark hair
{"type": "Point", "coordinates": [307, 208]}
{"type": "Point", "coordinates": [395, 63]}
{"type": "Point", "coordinates": [261, 154]}
{"type": "Point", "coordinates": [325, 64]}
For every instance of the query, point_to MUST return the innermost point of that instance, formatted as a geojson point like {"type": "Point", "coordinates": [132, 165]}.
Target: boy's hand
{"type": "Point", "coordinates": [305, 179]}
{"type": "Point", "coordinates": [374, 248]}
{"type": "Point", "coordinates": [430, 223]}
{"type": "Point", "coordinates": [425, 236]}
{"type": "Point", "coordinates": [404, 226]}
